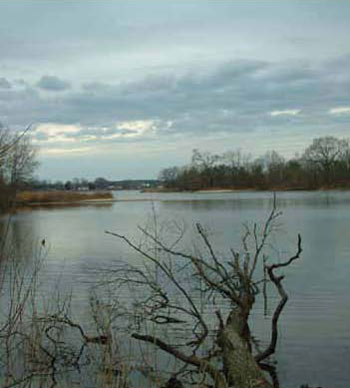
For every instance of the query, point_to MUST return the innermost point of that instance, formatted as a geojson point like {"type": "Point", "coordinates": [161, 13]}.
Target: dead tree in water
{"type": "Point", "coordinates": [211, 297]}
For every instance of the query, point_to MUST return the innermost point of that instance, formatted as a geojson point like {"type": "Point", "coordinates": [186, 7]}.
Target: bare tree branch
{"type": "Point", "coordinates": [202, 364]}
{"type": "Point", "coordinates": [277, 281]}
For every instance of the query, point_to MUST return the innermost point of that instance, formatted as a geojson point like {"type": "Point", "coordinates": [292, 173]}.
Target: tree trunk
{"type": "Point", "coordinates": [241, 369]}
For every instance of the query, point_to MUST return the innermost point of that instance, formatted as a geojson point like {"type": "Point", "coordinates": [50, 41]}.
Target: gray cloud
{"type": "Point", "coordinates": [53, 83]}
{"type": "Point", "coordinates": [4, 83]}
{"type": "Point", "coordinates": [236, 97]}
{"type": "Point", "coordinates": [94, 86]}
{"type": "Point", "coordinates": [231, 98]}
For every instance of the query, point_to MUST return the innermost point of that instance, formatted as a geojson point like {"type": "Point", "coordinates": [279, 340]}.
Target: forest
{"type": "Point", "coordinates": [324, 164]}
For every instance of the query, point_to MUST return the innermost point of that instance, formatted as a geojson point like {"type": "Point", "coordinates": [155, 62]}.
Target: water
{"type": "Point", "coordinates": [314, 346]}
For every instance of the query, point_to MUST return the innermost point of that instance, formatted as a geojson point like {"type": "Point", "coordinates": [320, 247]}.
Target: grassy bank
{"type": "Point", "coordinates": [31, 198]}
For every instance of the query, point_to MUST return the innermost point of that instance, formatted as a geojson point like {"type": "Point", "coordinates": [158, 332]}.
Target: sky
{"type": "Point", "coordinates": [122, 89]}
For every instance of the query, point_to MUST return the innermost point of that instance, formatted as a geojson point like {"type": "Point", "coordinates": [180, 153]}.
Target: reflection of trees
{"type": "Point", "coordinates": [215, 204]}
{"type": "Point", "coordinates": [19, 235]}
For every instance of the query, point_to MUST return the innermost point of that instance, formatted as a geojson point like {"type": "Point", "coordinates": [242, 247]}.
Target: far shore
{"type": "Point", "coordinates": [35, 199]}
{"type": "Point", "coordinates": [252, 189]}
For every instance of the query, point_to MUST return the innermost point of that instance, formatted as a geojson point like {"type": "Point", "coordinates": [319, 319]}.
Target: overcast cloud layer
{"type": "Point", "coordinates": [122, 89]}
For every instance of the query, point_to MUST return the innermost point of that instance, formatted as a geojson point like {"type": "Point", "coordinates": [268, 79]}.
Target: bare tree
{"type": "Point", "coordinates": [210, 297]}
{"type": "Point", "coordinates": [204, 162]}
{"type": "Point", "coordinates": [324, 152]}
{"type": "Point", "coordinates": [169, 175]}
{"type": "Point", "coordinates": [21, 162]}
{"type": "Point", "coordinates": [17, 163]}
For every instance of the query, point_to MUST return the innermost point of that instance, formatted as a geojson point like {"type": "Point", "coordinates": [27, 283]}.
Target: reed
{"type": "Point", "coordinates": [42, 197]}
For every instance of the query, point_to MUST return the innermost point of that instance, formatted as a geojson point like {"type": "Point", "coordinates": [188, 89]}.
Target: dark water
{"type": "Point", "coordinates": [314, 346]}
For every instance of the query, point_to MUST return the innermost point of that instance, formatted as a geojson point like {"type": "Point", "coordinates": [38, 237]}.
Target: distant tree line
{"type": "Point", "coordinates": [99, 183]}
{"type": "Point", "coordinates": [325, 163]}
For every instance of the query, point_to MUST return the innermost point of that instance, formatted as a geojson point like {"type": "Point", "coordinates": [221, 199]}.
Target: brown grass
{"type": "Point", "coordinates": [47, 197]}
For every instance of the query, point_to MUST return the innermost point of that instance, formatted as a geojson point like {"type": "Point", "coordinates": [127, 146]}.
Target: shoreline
{"type": "Point", "coordinates": [234, 190]}
{"type": "Point", "coordinates": [107, 199]}
{"type": "Point", "coordinates": [61, 198]}
{"type": "Point", "coordinates": [69, 203]}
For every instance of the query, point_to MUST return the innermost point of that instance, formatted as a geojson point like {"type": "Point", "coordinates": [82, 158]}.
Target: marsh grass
{"type": "Point", "coordinates": [30, 198]}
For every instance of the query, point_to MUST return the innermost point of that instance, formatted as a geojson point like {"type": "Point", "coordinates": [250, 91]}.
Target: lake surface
{"type": "Point", "coordinates": [314, 346]}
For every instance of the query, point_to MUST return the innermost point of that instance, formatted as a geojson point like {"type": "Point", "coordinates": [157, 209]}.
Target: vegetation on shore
{"type": "Point", "coordinates": [17, 164]}
{"type": "Point", "coordinates": [55, 197]}
{"type": "Point", "coordinates": [325, 164]}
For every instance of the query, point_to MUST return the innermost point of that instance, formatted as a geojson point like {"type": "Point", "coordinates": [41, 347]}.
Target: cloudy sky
{"type": "Point", "coordinates": [122, 89]}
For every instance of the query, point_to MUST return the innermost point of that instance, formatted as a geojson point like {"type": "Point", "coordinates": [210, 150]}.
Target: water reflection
{"type": "Point", "coordinates": [314, 326]}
